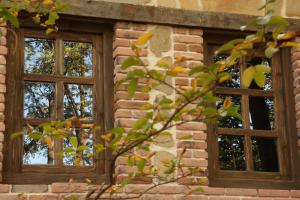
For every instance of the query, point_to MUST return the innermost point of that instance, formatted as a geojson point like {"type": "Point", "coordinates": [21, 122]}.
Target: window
{"type": "Point", "coordinates": [261, 147]}
{"type": "Point", "coordinates": [57, 77]}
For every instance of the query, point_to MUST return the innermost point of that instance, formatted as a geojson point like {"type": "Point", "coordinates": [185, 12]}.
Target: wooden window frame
{"type": "Point", "coordinates": [69, 29]}
{"type": "Point", "coordinates": [288, 176]}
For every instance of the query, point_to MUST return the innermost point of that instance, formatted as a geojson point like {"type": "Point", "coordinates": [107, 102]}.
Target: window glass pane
{"type": "Point", "coordinates": [83, 154]}
{"type": "Point", "coordinates": [264, 154]}
{"type": "Point", "coordinates": [231, 152]}
{"type": "Point", "coordinates": [39, 56]}
{"type": "Point", "coordinates": [78, 59]}
{"type": "Point", "coordinates": [35, 152]}
{"type": "Point", "coordinates": [266, 62]}
{"type": "Point", "coordinates": [78, 101]}
{"type": "Point", "coordinates": [230, 122]}
{"type": "Point", "coordinates": [262, 114]}
{"type": "Point", "coordinates": [235, 81]}
{"type": "Point", "coordinates": [38, 99]}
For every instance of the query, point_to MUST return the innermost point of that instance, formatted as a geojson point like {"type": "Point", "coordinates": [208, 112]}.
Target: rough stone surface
{"type": "Point", "coordinates": [164, 88]}
{"type": "Point", "coordinates": [292, 8]}
{"type": "Point", "coordinates": [165, 141]}
{"type": "Point", "coordinates": [189, 4]}
{"type": "Point", "coordinates": [233, 6]}
{"type": "Point", "coordinates": [161, 40]}
{"type": "Point", "coordinates": [29, 188]}
{"type": "Point", "coordinates": [160, 157]}
{"type": "Point", "coordinates": [167, 3]}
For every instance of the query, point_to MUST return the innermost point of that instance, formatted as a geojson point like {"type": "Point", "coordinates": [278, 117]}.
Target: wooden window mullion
{"type": "Point", "coordinates": [58, 146]}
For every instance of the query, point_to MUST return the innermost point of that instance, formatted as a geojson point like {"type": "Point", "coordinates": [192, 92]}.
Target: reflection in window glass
{"type": "Point", "coordinates": [231, 153]}
{"type": "Point", "coordinates": [262, 114]}
{"type": "Point", "coordinates": [78, 59]}
{"type": "Point", "coordinates": [35, 152]}
{"type": "Point", "coordinates": [38, 56]}
{"type": "Point", "coordinates": [83, 154]}
{"type": "Point", "coordinates": [78, 101]}
{"type": "Point", "coordinates": [230, 122]}
{"type": "Point", "coordinates": [38, 99]}
{"type": "Point", "coordinates": [264, 154]}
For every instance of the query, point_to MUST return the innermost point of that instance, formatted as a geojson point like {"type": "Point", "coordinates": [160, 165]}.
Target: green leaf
{"type": "Point", "coordinates": [156, 75]}
{"type": "Point", "coordinates": [118, 130]}
{"type": "Point", "coordinates": [146, 106]}
{"type": "Point", "coordinates": [229, 45]}
{"type": "Point", "coordinates": [263, 69]}
{"type": "Point", "coordinates": [36, 135]}
{"type": "Point", "coordinates": [290, 44]}
{"type": "Point", "coordinates": [73, 141]}
{"type": "Point", "coordinates": [132, 87]}
{"type": "Point", "coordinates": [130, 61]}
{"type": "Point", "coordinates": [260, 79]}
{"type": "Point", "coordinates": [264, 20]}
{"type": "Point", "coordinates": [197, 69]}
{"type": "Point", "coordinates": [139, 124]}
{"type": "Point", "coordinates": [270, 51]}
{"type": "Point", "coordinates": [16, 134]}
{"type": "Point", "coordinates": [141, 164]}
{"type": "Point", "coordinates": [278, 21]}
{"type": "Point", "coordinates": [9, 17]}
{"type": "Point", "coordinates": [68, 150]}
{"type": "Point", "coordinates": [248, 76]}
{"type": "Point", "coordinates": [165, 101]}
{"type": "Point", "coordinates": [199, 189]}
{"type": "Point", "coordinates": [82, 148]}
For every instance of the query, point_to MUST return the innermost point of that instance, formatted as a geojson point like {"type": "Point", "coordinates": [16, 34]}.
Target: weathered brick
{"type": "Point", "coordinates": [128, 34]}
{"type": "Point", "coordinates": [3, 50]}
{"type": "Point", "coordinates": [188, 162]}
{"type": "Point", "coordinates": [122, 25]}
{"type": "Point", "coordinates": [196, 48]}
{"type": "Point", "coordinates": [126, 51]}
{"type": "Point", "coordinates": [139, 27]}
{"type": "Point", "coordinates": [192, 145]}
{"type": "Point", "coordinates": [69, 187]}
{"type": "Point", "coordinates": [126, 123]}
{"type": "Point", "coordinates": [122, 113]}
{"type": "Point", "coordinates": [180, 30]}
{"type": "Point", "coordinates": [197, 126]}
{"type": "Point", "coordinates": [295, 193]}
{"type": "Point", "coordinates": [2, 60]}
{"type": "Point", "coordinates": [4, 188]}
{"type": "Point", "coordinates": [199, 136]}
{"type": "Point", "coordinates": [273, 193]}
{"type": "Point", "coordinates": [190, 55]}
{"type": "Point", "coordinates": [186, 154]}
{"type": "Point", "coordinates": [198, 32]}
{"type": "Point", "coordinates": [30, 188]}
{"type": "Point", "coordinates": [240, 192]}
{"type": "Point", "coordinates": [180, 47]}
{"type": "Point", "coordinates": [44, 197]}
{"type": "Point", "coordinates": [118, 42]}
{"type": "Point", "coordinates": [188, 39]}
{"type": "Point", "coordinates": [213, 191]}
{"type": "Point", "coordinates": [138, 96]}
{"type": "Point", "coordinates": [9, 197]}
{"type": "Point", "coordinates": [192, 197]}
{"type": "Point", "coordinates": [182, 81]}
{"type": "Point", "coordinates": [200, 154]}
{"type": "Point", "coordinates": [126, 104]}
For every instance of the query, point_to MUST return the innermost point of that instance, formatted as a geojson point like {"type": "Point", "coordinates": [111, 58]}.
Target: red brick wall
{"type": "Point", "coordinates": [184, 41]}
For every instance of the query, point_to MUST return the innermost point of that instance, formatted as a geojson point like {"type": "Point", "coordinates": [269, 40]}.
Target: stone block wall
{"type": "Point", "coordinates": [167, 41]}
{"type": "Point", "coordinates": [287, 8]}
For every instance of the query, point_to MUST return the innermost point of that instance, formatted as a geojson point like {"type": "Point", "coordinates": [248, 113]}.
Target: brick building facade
{"type": "Point", "coordinates": [171, 38]}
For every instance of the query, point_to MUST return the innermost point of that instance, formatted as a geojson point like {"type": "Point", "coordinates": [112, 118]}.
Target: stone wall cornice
{"type": "Point", "coordinates": [160, 15]}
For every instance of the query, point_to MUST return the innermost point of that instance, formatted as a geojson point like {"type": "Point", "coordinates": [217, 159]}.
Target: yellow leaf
{"type": "Point", "coordinates": [48, 141]}
{"type": "Point", "coordinates": [224, 78]}
{"type": "Point", "coordinates": [179, 59]}
{"type": "Point", "coordinates": [47, 2]}
{"type": "Point", "coordinates": [68, 124]}
{"type": "Point", "coordinates": [77, 161]}
{"type": "Point", "coordinates": [194, 83]}
{"type": "Point", "coordinates": [179, 69]}
{"type": "Point", "coordinates": [29, 128]}
{"type": "Point", "coordinates": [260, 79]}
{"type": "Point", "coordinates": [227, 103]}
{"type": "Point", "coordinates": [143, 39]}
{"type": "Point", "coordinates": [248, 76]}
{"type": "Point", "coordinates": [286, 36]}
{"type": "Point", "coordinates": [106, 137]}
{"type": "Point", "coordinates": [165, 62]}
